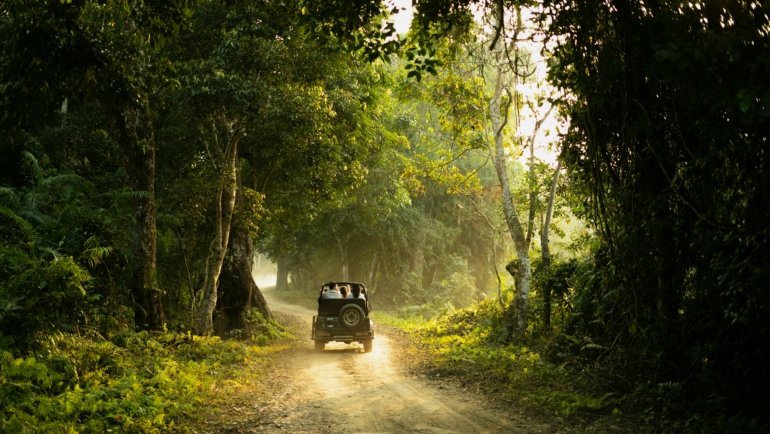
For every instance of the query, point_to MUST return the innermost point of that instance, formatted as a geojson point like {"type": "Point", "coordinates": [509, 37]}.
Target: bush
{"type": "Point", "coordinates": [133, 383]}
{"type": "Point", "coordinates": [38, 295]}
{"type": "Point", "coordinates": [467, 343]}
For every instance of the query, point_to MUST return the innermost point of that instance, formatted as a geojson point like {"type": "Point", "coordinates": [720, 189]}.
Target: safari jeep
{"type": "Point", "coordinates": [342, 320]}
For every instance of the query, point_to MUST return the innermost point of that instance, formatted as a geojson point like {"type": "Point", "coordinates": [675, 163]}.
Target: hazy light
{"type": "Point", "coordinates": [403, 19]}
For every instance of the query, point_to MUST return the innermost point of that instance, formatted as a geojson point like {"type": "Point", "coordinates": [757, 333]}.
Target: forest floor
{"type": "Point", "coordinates": [344, 389]}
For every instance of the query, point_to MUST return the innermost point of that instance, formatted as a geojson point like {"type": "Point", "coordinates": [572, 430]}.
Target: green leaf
{"type": "Point", "coordinates": [744, 100]}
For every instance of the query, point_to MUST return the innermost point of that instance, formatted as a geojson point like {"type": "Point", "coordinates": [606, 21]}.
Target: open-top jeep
{"type": "Point", "coordinates": [342, 320]}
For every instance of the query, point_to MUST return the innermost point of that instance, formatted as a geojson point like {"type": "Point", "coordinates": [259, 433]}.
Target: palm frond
{"type": "Point", "coordinates": [55, 253]}
{"type": "Point", "coordinates": [129, 194]}
{"type": "Point", "coordinates": [94, 253]}
{"type": "Point", "coordinates": [32, 215]}
{"type": "Point", "coordinates": [69, 178]}
{"type": "Point", "coordinates": [36, 169]}
{"type": "Point", "coordinates": [25, 227]}
{"type": "Point", "coordinates": [92, 241]}
{"type": "Point", "coordinates": [7, 306]}
{"type": "Point", "coordinates": [32, 199]}
{"type": "Point", "coordinates": [94, 256]}
{"type": "Point", "coordinates": [14, 256]}
{"type": "Point", "coordinates": [139, 194]}
{"type": "Point", "coordinates": [11, 195]}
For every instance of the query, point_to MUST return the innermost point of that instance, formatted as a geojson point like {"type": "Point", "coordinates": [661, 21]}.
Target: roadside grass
{"type": "Point", "coordinates": [468, 344]}
{"type": "Point", "coordinates": [129, 382]}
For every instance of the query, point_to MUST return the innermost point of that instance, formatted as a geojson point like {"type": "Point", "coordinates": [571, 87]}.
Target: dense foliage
{"type": "Point", "coordinates": [149, 148]}
{"type": "Point", "coordinates": [668, 144]}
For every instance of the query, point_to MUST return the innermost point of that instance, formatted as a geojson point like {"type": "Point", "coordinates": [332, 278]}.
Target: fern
{"type": "Point", "coordinates": [54, 181]}
{"type": "Point", "coordinates": [32, 215]}
{"type": "Point", "coordinates": [93, 252]}
{"type": "Point", "coordinates": [26, 228]}
{"type": "Point", "coordinates": [37, 171]}
{"type": "Point", "coordinates": [53, 252]}
{"type": "Point", "coordinates": [13, 200]}
{"type": "Point", "coordinates": [130, 194]}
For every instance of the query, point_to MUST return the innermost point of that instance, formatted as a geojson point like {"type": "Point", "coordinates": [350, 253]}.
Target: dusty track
{"type": "Point", "coordinates": [343, 389]}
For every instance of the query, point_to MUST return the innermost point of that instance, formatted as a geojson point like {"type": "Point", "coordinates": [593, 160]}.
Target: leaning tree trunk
{"type": "Point", "coordinates": [517, 312]}
{"type": "Point", "coordinates": [545, 251]}
{"type": "Point", "coordinates": [236, 283]}
{"type": "Point", "coordinates": [218, 247]}
{"type": "Point", "coordinates": [258, 301]}
{"type": "Point", "coordinates": [132, 127]}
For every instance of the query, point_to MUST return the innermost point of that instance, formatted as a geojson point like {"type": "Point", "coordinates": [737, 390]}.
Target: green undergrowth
{"type": "Point", "coordinates": [126, 382]}
{"type": "Point", "coordinates": [468, 344]}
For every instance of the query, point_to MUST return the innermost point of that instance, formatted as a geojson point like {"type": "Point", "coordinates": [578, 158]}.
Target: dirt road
{"type": "Point", "coordinates": [344, 389]}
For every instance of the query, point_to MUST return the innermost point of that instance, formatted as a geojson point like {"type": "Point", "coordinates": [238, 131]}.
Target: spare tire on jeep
{"type": "Point", "coordinates": [351, 317]}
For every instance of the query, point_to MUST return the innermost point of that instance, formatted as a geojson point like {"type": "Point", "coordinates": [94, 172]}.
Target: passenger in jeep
{"type": "Point", "coordinates": [356, 292]}
{"type": "Point", "coordinates": [333, 292]}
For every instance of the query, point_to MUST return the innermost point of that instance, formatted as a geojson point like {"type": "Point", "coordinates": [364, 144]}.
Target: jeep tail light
{"type": "Point", "coordinates": [322, 334]}
{"type": "Point", "coordinates": [362, 334]}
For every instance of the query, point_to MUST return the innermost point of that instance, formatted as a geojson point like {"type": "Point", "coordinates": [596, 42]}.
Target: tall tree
{"type": "Point", "coordinates": [108, 52]}
{"type": "Point", "coordinates": [237, 290]}
{"type": "Point", "coordinates": [499, 119]}
{"type": "Point", "coordinates": [545, 250]}
{"type": "Point", "coordinates": [224, 138]}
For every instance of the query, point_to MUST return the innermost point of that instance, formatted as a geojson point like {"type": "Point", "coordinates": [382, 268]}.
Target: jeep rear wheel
{"type": "Point", "coordinates": [351, 317]}
{"type": "Point", "coordinates": [368, 345]}
{"type": "Point", "coordinates": [320, 345]}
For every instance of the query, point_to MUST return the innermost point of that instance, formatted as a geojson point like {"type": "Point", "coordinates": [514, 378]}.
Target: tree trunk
{"type": "Point", "coordinates": [343, 257]}
{"type": "Point", "coordinates": [532, 193]}
{"type": "Point", "coordinates": [500, 297]}
{"type": "Point", "coordinates": [297, 278]}
{"type": "Point", "coordinates": [132, 127]}
{"type": "Point", "coordinates": [418, 255]}
{"type": "Point", "coordinates": [236, 284]}
{"type": "Point", "coordinates": [218, 247]}
{"type": "Point", "coordinates": [518, 311]}
{"type": "Point", "coordinates": [372, 270]}
{"type": "Point", "coordinates": [544, 249]}
{"type": "Point", "coordinates": [532, 178]}
{"type": "Point", "coordinates": [282, 276]}
{"type": "Point", "coordinates": [374, 273]}
{"type": "Point", "coordinates": [258, 301]}
{"type": "Point", "coordinates": [383, 270]}
{"type": "Point", "coordinates": [344, 268]}
{"type": "Point", "coordinates": [188, 275]}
